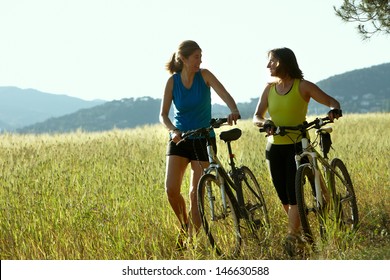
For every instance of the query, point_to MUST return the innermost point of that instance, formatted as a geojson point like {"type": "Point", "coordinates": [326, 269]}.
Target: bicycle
{"type": "Point", "coordinates": [322, 196]}
{"type": "Point", "coordinates": [225, 198]}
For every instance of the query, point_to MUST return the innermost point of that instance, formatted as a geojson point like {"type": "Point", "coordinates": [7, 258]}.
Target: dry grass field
{"type": "Point", "coordinates": [100, 196]}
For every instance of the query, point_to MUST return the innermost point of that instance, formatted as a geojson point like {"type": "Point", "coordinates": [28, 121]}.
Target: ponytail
{"type": "Point", "coordinates": [174, 65]}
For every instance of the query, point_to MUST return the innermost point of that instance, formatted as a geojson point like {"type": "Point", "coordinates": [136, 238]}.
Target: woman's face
{"type": "Point", "coordinates": [273, 65]}
{"type": "Point", "coordinates": [193, 61]}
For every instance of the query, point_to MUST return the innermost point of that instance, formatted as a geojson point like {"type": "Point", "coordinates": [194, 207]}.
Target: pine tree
{"type": "Point", "coordinates": [373, 16]}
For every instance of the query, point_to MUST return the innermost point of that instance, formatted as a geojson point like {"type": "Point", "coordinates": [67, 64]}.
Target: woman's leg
{"type": "Point", "coordinates": [282, 167]}
{"type": "Point", "coordinates": [175, 169]}
{"type": "Point", "coordinates": [294, 223]}
{"type": "Point", "coordinates": [197, 168]}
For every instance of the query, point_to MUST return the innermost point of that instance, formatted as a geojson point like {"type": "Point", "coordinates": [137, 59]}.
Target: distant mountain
{"type": "Point", "coordinates": [123, 113]}
{"type": "Point", "coordinates": [359, 91]}
{"type": "Point", "coordinates": [22, 107]}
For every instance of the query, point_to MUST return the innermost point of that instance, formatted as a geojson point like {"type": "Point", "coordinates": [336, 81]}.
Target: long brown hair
{"type": "Point", "coordinates": [288, 64]}
{"type": "Point", "coordinates": [185, 49]}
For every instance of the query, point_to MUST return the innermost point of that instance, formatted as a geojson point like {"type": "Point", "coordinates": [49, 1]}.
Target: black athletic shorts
{"type": "Point", "coordinates": [193, 149]}
{"type": "Point", "coordinates": [281, 162]}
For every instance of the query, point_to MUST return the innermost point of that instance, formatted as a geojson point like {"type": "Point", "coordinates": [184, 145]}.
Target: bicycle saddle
{"type": "Point", "coordinates": [230, 135]}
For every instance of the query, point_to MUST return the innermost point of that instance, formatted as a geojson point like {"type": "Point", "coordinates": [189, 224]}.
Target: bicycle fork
{"type": "Point", "coordinates": [213, 168]}
{"type": "Point", "coordinates": [215, 216]}
{"type": "Point", "coordinates": [317, 183]}
{"type": "Point", "coordinates": [317, 176]}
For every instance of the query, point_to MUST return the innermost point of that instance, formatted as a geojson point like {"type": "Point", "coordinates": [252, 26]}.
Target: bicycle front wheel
{"type": "Point", "coordinates": [309, 213]}
{"type": "Point", "coordinates": [255, 207]}
{"type": "Point", "coordinates": [344, 197]}
{"type": "Point", "coordinates": [218, 216]}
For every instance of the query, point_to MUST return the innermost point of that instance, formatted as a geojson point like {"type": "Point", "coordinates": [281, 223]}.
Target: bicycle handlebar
{"type": "Point", "coordinates": [317, 123]}
{"type": "Point", "coordinates": [281, 130]}
{"type": "Point", "coordinates": [214, 123]}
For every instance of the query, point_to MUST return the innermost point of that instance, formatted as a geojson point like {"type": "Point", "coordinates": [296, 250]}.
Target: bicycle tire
{"type": "Point", "coordinates": [312, 220]}
{"type": "Point", "coordinates": [221, 227]}
{"type": "Point", "coordinates": [257, 221]}
{"type": "Point", "coordinates": [344, 198]}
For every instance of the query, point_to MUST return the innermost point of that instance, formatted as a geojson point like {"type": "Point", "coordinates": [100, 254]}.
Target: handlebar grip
{"type": "Point", "coordinates": [337, 112]}
{"type": "Point", "coordinates": [217, 122]}
{"type": "Point", "coordinates": [268, 127]}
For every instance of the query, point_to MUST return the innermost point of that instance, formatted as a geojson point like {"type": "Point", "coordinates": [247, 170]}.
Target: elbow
{"type": "Point", "coordinates": [163, 117]}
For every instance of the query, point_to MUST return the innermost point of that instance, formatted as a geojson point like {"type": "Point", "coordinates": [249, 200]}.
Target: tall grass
{"type": "Point", "coordinates": [101, 195]}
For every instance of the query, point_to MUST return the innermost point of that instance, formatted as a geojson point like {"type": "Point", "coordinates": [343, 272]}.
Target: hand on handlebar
{"type": "Point", "coordinates": [334, 114]}
{"type": "Point", "coordinates": [233, 117]}
{"type": "Point", "coordinates": [269, 127]}
{"type": "Point", "coordinates": [176, 136]}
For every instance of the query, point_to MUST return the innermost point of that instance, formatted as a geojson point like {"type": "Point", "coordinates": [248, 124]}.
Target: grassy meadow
{"type": "Point", "coordinates": [100, 196]}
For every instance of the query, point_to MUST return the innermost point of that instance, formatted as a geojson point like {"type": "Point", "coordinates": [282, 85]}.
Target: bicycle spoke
{"type": "Point", "coordinates": [255, 210]}
{"type": "Point", "coordinates": [220, 223]}
{"type": "Point", "coordinates": [345, 206]}
{"type": "Point", "coordinates": [311, 217]}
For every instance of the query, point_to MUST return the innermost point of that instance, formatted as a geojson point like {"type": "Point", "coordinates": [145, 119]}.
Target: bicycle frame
{"type": "Point", "coordinates": [314, 159]}
{"type": "Point", "coordinates": [220, 173]}
{"type": "Point", "coordinates": [221, 193]}
{"type": "Point", "coordinates": [313, 156]}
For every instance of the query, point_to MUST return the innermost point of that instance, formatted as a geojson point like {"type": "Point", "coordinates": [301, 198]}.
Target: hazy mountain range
{"type": "Point", "coordinates": [23, 107]}
{"type": "Point", "coordinates": [32, 111]}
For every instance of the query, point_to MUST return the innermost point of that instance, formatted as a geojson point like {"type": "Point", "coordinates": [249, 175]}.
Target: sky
{"type": "Point", "coordinates": [114, 49]}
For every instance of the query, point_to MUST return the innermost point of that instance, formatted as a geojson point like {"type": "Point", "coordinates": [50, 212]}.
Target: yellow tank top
{"type": "Point", "coordinates": [286, 110]}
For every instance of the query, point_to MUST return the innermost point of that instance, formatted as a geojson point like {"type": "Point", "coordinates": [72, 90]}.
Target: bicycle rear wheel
{"type": "Point", "coordinates": [344, 198]}
{"type": "Point", "coordinates": [309, 213]}
{"type": "Point", "coordinates": [219, 218]}
{"type": "Point", "coordinates": [257, 214]}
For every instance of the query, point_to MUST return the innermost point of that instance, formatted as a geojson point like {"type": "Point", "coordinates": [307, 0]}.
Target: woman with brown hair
{"type": "Point", "coordinates": [188, 89]}
{"type": "Point", "coordinates": [286, 100]}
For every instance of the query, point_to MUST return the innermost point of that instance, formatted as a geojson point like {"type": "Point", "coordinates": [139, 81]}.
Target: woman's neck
{"type": "Point", "coordinates": [285, 81]}
{"type": "Point", "coordinates": [284, 85]}
{"type": "Point", "coordinates": [187, 77]}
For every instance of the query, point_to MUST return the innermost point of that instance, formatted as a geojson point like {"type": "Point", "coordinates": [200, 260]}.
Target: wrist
{"type": "Point", "coordinates": [235, 111]}
{"type": "Point", "coordinates": [175, 130]}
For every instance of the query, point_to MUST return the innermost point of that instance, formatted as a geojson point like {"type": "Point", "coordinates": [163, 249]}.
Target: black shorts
{"type": "Point", "coordinates": [193, 149]}
{"type": "Point", "coordinates": [281, 162]}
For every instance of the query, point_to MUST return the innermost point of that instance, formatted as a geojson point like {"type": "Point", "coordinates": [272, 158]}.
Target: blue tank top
{"type": "Point", "coordinates": [192, 107]}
